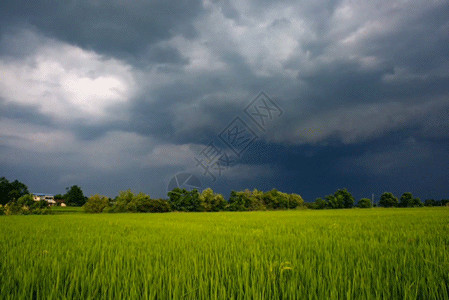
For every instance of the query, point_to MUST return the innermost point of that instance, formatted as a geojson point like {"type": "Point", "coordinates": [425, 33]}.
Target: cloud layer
{"type": "Point", "coordinates": [111, 95]}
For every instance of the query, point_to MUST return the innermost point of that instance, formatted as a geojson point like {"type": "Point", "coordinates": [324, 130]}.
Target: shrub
{"type": "Point", "coordinates": [320, 203]}
{"type": "Point", "coordinates": [122, 201]}
{"type": "Point", "coordinates": [96, 204]}
{"type": "Point", "coordinates": [430, 202]}
{"type": "Point", "coordinates": [159, 206]}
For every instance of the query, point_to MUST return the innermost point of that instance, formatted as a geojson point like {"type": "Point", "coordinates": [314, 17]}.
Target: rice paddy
{"type": "Point", "coordinates": [298, 254]}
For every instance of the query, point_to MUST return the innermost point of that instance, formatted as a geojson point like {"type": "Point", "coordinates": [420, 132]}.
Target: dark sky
{"type": "Point", "coordinates": [111, 95]}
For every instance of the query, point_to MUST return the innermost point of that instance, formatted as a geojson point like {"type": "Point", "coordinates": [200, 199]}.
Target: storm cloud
{"type": "Point", "coordinates": [112, 95]}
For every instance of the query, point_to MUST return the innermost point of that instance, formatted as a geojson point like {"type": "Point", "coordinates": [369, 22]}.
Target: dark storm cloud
{"type": "Point", "coordinates": [349, 76]}
{"type": "Point", "coordinates": [119, 28]}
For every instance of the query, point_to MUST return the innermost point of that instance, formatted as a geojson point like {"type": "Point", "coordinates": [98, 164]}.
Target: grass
{"type": "Point", "coordinates": [66, 210]}
{"type": "Point", "coordinates": [307, 254]}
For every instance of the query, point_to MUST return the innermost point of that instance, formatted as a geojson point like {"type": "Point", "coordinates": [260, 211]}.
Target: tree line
{"type": "Point", "coordinates": [194, 201]}
{"type": "Point", "coordinates": [16, 199]}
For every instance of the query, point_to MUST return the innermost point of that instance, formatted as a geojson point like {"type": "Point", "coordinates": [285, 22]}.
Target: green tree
{"type": "Point", "coordinates": [388, 200]}
{"type": "Point", "coordinates": [74, 196]}
{"type": "Point", "coordinates": [96, 204]}
{"type": "Point", "coordinates": [27, 200]}
{"type": "Point", "coordinates": [183, 200]}
{"type": "Point", "coordinates": [320, 203]}
{"type": "Point", "coordinates": [159, 206]}
{"type": "Point", "coordinates": [344, 197]}
{"type": "Point", "coordinates": [416, 202]}
{"type": "Point", "coordinates": [295, 200]}
{"type": "Point", "coordinates": [406, 200]}
{"type": "Point", "coordinates": [211, 201]}
{"type": "Point", "coordinates": [237, 201]}
{"type": "Point", "coordinates": [10, 191]}
{"type": "Point", "coordinates": [122, 201]}
{"type": "Point", "coordinates": [364, 203]}
{"type": "Point", "coordinates": [430, 202]}
{"type": "Point", "coordinates": [334, 202]}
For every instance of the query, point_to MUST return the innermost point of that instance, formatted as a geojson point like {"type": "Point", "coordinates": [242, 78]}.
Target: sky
{"type": "Point", "coordinates": [303, 96]}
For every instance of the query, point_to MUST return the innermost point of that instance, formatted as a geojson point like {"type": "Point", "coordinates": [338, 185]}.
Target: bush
{"type": "Point", "coordinates": [2, 210]}
{"type": "Point", "coordinates": [320, 203]}
{"type": "Point", "coordinates": [96, 204]}
{"type": "Point", "coordinates": [159, 206]}
{"type": "Point", "coordinates": [364, 203]}
{"type": "Point", "coordinates": [122, 201]}
{"type": "Point", "coordinates": [310, 205]}
{"type": "Point", "coordinates": [430, 202]}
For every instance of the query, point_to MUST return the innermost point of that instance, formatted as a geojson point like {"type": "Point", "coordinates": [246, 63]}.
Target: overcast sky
{"type": "Point", "coordinates": [111, 95]}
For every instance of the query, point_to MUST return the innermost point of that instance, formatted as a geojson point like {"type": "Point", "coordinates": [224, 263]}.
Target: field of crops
{"type": "Point", "coordinates": [302, 254]}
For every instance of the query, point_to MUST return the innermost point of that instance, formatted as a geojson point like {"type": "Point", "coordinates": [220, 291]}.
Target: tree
{"type": "Point", "coordinates": [388, 200]}
{"type": "Point", "coordinates": [237, 201]}
{"type": "Point", "coordinates": [344, 197]}
{"type": "Point", "coordinates": [27, 200]}
{"type": "Point", "coordinates": [364, 203]}
{"type": "Point", "coordinates": [295, 200]}
{"type": "Point", "coordinates": [416, 202]}
{"type": "Point", "coordinates": [320, 203]}
{"type": "Point", "coordinates": [406, 200]}
{"type": "Point", "coordinates": [159, 206]}
{"type": "Point", "coordinates": [211, 201]}
{"type": "Point", "coordinates": [10, 191]}
{"type": "Point", "coordinates": [74, 196]}
{"type": "Point", "coordinates": [122, 201]}
{"type": "Point", "coordinates": [183, 200]}
{"type": "Point", "coordinates": [96, 204]}
{"type": "Point", "coordinates": [274, 199]}
{"type": "Point", "coordinates": [430, 202]}
{"type": "Point", "coordinates": [334, 202]}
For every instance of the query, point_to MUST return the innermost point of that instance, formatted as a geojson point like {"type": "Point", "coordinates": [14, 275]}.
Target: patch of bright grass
{"type": "Point", "coordinates": [304, 254]}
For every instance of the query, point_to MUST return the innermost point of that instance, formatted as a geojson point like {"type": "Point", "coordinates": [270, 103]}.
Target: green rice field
{"type": "Point", "coordinates": [299, 254]}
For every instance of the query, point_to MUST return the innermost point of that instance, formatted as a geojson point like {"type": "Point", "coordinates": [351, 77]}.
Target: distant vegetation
{"type": "Point", "coordinates": [15, 199]}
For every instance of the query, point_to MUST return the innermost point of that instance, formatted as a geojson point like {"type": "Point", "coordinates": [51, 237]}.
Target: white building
{"type": "Point", "coordinates": [44, 197]}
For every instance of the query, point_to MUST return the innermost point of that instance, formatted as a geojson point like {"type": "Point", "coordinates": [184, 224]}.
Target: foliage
{"type": "Point", "coordinates": [407, 200]}
{"type": "Point", "coordinates": [96, 204]}
{"type": "Point", "coordinates": [127, 201]}
{"type": "Point", "coordinates": [74, 196]}
{"type": "Point", "coordinates": [320, 203]}
{"type": "Point", "coordinates": [25, 205]}
{"type": "Point", "coordinates": [346, 197]}
{"type": "Point", "coordinates": [388, 200]}
{"type": "Point", "coordinates": [364, 203]}
{"type": "Point", "coordinates": [159, 206]}
{"type": "Point", "coordinates": [123, 201]}
{"type": "Point", "coordinates": [10, 191]}
{"type": "Point", "coordinates": [257, 200]}
{"type": "Point", "coordinates": [184, 200]}
{"type": "Point", "coordinates": [211, 201]}
{"type": "Point", "coordinates": [340, 199]}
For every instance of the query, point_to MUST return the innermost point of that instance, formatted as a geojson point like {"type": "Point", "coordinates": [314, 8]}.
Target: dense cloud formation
{"type": "Point", "coordinates": [111, 95]}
